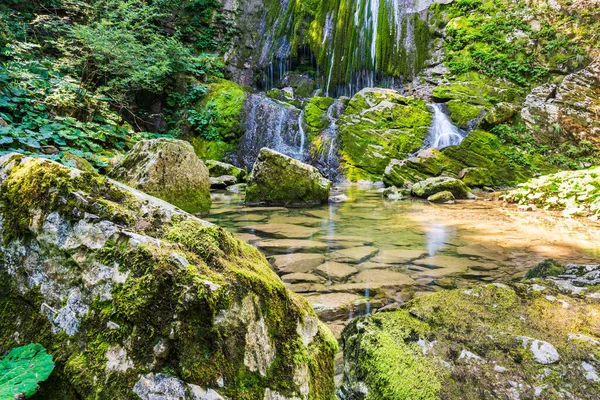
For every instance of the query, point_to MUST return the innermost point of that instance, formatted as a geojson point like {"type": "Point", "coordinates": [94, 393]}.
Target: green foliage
{"type": "Point", "coordinates": [22, 369]}
{"type": "Point", "coordinates": [82, 77]}
{"type": "Point", "coordinates": [569, 155]}
{"type": "Point", "coordinates": [493, 38]}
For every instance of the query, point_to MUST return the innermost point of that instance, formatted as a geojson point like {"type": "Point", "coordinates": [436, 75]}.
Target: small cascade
{"type": "Point", "coordinates": [442, 132]}
{"type": "Point", "coordinates": [273, 125]}
{"type": "Point", "coordinates": [302, 135]}
{"type": "Point", "coordinates": [327, 161]}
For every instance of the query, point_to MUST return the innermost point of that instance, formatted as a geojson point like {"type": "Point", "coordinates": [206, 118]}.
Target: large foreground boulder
{"type": "Point", "coordinates": [522, 341]}
{"type": "Point", "coordinates": [168, 169]}
{"type": "Point", "coordinates": [281, 180]}
{"type": "Point", "coordinates": [136, 299]}
{"type": "Point", "coordinates": [431, 186]}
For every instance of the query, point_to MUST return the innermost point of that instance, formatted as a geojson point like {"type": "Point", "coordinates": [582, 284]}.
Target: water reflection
{"type": "Point", "coordinates": [437, 235]}
{"type": "Point", "coordinates": [351, 258]}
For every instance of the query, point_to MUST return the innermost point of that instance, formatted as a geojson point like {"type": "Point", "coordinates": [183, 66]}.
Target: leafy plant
{"type": "Point", "coordinates": [22, 369]}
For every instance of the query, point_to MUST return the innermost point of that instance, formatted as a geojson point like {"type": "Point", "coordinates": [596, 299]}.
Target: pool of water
{"type": "Point", "coordinates": [368, 252]}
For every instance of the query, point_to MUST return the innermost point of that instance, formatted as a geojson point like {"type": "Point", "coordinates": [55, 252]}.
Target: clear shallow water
{"type": "Point", "coordinates": [352, 257]}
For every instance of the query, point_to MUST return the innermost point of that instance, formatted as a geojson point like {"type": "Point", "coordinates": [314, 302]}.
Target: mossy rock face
{"type": "Point", "coordinates": [476, 177]}
{"type": "Point", "coordinates": [281, 180]}
{"type": "Point", "coordinates": [480, 149]}
{"type": "Point", "coordinates": [479, 343]}
{"type": "Point", "coordinates": [168, 169]}
{"type": "Point", "coordinates": [226, 101]}
{"type": "Point", "coordinates": [71, 160]}
{"type": "Point", "coordinates": [315, 114]}
{"type": "Point", "coordinates": [218, 168]}
{"type": "Point", "coordinates": [431, 186]}
{"type": "Point", "coordinates": [462, 113]}
{"type": "Point", "coordinates": [377, 126]}
{"type": "Point", "coordinates": [133, 296]}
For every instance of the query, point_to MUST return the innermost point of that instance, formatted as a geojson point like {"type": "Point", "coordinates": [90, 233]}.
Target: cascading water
{"type": "Point", "coordinates": [327, 161]}
{"type": "Point", "coordinates": [273, 125]}
{"type": "Point", "coordinates": [442, 132]}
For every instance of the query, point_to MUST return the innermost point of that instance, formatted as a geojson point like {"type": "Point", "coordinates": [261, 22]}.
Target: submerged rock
{"type": "Point", "coordinates": [512, 338]}
{"type": "Point", "coordinates": [277, 179]}
{"type": "Point", "coordinates": [122, 287]}
{"type": "Point", "coordinates": [431, 186]}
{"type": "Point", "coordinates": [168, 169]}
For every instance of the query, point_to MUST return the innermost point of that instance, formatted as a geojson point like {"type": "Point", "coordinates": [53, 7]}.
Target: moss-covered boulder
{"type": "Point", "coordinates": [281, 180]}
{"type": "Point", "coordinates": [135, 298]}
{"type": "Point", "coordinates": [168, 169]}
{"type": "Point", "coordinates": [315, 113]}
{"type": "Point", "coordinates": [489, 342]}
{"type": "Point", "coordinates": [379, 125]}
{"type": "Point", "coordinates": [442, 197]}
{"type": "Point", "coordinates": [219, 168]}
{"type": "Point", "coordinates": [500, 113]}
{"type": "Point", "coordinates": [431, 186]}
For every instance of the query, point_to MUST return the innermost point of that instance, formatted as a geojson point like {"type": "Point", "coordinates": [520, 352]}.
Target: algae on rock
{"type": "Point", "coordinates": [125, 291]}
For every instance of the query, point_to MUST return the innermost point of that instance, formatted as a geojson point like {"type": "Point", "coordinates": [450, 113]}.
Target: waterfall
{"type": "Point", "coordinates": [302, 134]}
{"type": "Point", "coordinates": [442, 132]}
{"type": "Point", "coordinates": [271, 124]}
{"type": "Point", "coordinates": [330, 71]}
{"type": "Point", "coordinates": [328, 163]}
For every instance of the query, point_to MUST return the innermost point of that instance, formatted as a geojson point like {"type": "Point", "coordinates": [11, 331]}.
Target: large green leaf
{"type": "Point", "coordinates": [22, 369]}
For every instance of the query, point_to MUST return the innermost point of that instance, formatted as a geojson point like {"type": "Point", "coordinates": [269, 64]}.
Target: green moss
{"type": "Point", "coordinates": [226, 99]}
{"type": "Point", "coordinates": [544, 269]}
{"type": "Point", "coordinates": [462, 113]}
{"type": "Point", "coordinates": [212, 150]}
{"type": "Point", "coordinates": [377, 126]}
{"type": "Point", "coordinates": [498, 316]}
{"type": "Point", "coordinates": [315, 114]}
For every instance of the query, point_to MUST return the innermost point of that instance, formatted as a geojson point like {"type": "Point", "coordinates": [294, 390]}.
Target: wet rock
{"type": "Point", "coordinates": [218, 168]}
{"type": "Point", "coordinates": [398, 256]}
{"type": "Point", "coordinates": [283, 231]}
{"type": "Point", "coordinates": [168, 169]}
{"type": "Point", "coordinates": [301, 277]}
{"type": "Point", "coordinates": [335, 271]}
{"type": "Point", "coordinates": [383, 277]}
{"type": "Point", "coordinates": [442, 197]}
{"type": "Point", "coordinates": [291, 245]}
{"type": "Point", "coordinates": [428, 187]}
{"type": "Point", "coordinates": [354, 255]}
{"type": "Point", "coordinates": [221, 182]}
{"type": "Point", "coordinates": [277, 179]}
{"type": "Point", "coordinates": [340, 198]}
{"type": "Point", "coordinates": [76, 244]}
{"type": "Point", "coordinates": [297, 262]}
